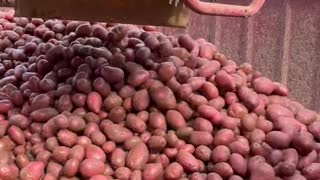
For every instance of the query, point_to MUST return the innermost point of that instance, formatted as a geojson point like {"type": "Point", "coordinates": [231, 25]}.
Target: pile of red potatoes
{"type": "Point", "coordinates": [95, 101]}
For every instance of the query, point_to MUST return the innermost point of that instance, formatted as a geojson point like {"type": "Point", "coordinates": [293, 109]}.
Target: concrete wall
{"type": "Point", "coordinates": [282, 41]}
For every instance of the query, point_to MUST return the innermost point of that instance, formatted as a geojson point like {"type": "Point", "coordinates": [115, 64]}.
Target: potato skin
{"type": "Point", "coordinates": [201, 138]}
{"type": "Point", "coordinates": [175, 119]}
{"type": "Point", "coordinates": [117, 133]}
{"type": "Point", "coordinates": [223, 137]}
{"type": "Point", "coordinates": [71, 167]}
{"type": "Point", "coordinates": [223, 169]}
{"type": "Point", "coordinates": [278, 139]}
{"type": "Point", "coordinates": [238, 164]}
{"type": "Point", "coordinates": [312, 171]}
{"type": "Point", "coordinates": [118, 158]}
{"type": "Point", "coordinates": [91, 167]}
{"type": "Point", "coordinates": [152, 171]}
{"type": "Point", "coordinates": [173, 171]}
{"type": "Point", "coordinates": [137, 157]}
{"type": "Point", "coordinates": [220, 153]}
{"type": "Point", "coordinates": [188, 161]}
{"type": "Point", "coordinates": [159, 93]}
{"type": "Point", "coordinates": [32, 171]}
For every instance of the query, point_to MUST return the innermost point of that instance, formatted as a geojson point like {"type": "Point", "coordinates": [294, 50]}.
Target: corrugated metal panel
{"type": "Point", "coordinates": [282, 41]}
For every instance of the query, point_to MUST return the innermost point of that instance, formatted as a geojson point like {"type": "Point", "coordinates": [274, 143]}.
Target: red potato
{"type": "Point", "coordinates": [152, 171]}
{"type": "Point", "coordinates": [187, 161]}
{"type": "Point", "coordinates": [201, 138]}
{"type": "Point", "coordinates": [166, 71]}
{"type": "Point", "coordinates": [122, 173]}
{"type": "Point", "coordinates": [290, 162]}
{"type": "Point", "coordinates": [112, 74]}
{"type": "Point", "coordinates": [207, 50]}
{"type": "Point", "coordinates": [117, 133]}
{"type": "Point", "coordinates": [77, 152]}
{"type": "Point", "coordinates": [137, 157]}
{"type": "Point", "coordinates": [280, 89]}
{"type": "Point", "coordinates": [98, 138]}
{"type": "Point", "coordinates": [60, 154]}
{"type": "Point", "coordinates": [91, 167]}
{"type": "Point", "coordinates": [210, 113]}
{"type": "Point", "coordinates": [76, 123]}
{"type": "Point", "coordinates": [203, 153]}
{"type": "Point", "coordinates": [136, 175]}
{"type": "Point", "coordinates": [44, 156]}
{"type": "Point", "coordinates": [240, 146]}
{"type": "Point", "coordinates": [220, 154]}
{"type": "Point", "coordinates": [314, 129]}
{"type": "Point", "coordinates": [160, 93]}
{"type": "Point", "coordinates": [249, 122]}
{"type": "Point", "coordinates": [275, 157]}
{"type": "Point", "coordinates": [67, 138]}
{"type": "Point", "coordinates": [43, 114]}
{"type": "Point", "coordinates": [94, 101]}
{"type": "Point", "coordinates": [113, 100]}
{"type": "Point", "coordinates": [238, 164]}
{"type": "Point", "coordinates": [138, 77]}
{"type": "Point", "coordinates": [71, 167]}
{"type": "Point", "coordinates": [306, 116]}
{"type": "Point", "coordinates": [108, 147]}
{"type": "Point", "coordinates": [118, 158]}
{"type": "Point", "coordinates": [175, 119]}
{"type": "Point", "coordinates": [230, 123]}
{"type": "Point", "coordinates": [278, 139]}
{"type": "Point", "coordinates": [185, 109]}
{"type": "Point", "coordinates": [89, 117]}
{"type": "Point", "coordinates": [263, 85]}
{"type": "Point", "coordinates": [3, 127]}
{"type": "Point", "coordinates": [5, 105]}
{"type": "Point", "coordinates": [263, 171]}
{"type": "Point", "coordinates": [117, 114]}
{"type": "Point", "coordinates": [101, 86]}
{"type": "Point", "coordinates": [95, 152]}
{"type": "Point", "coordinates": [10, 172]}
{"type": "Point", "coordinates": [197, 175]}
{"type": "Point", "coordinates": [156, 143]}
{"type": "Point", "coordinates": [223, 169]}
{"type": "Point", "coordinates": [157, 121]}
{"type": "Point", "coordinates": [312, 171]}
{"type": "Point", "coordinates": [303, 142]}
{"type": "Point", "coordinates": [32, 171]}
{"type": "Point", "coordinates": [16, 135]}
{"type": "Point", "coordinates": [296, 177]}
{"type": "Point", "coordinates": [140, 100]}
{"type": "Point", "coordinates": [201, 124]}
{"type": "Point", "coordinates": [275, 111]}
{"type": "Point", "coordinates": [225, 81]}
{"type": "Point", "coordinates": [131, 142]}
{"type": "Point", "coordinates": [173, 171]}
{"type": "Point", "coordinates": [186, 41]}
{"type": "Point", "coordinates": [184, 133]}
{"type": "Point", "coordinates": [237, 110]}
{"type": "Point", "coordinates": [223, 137]}
{"type": "Point", "coordinates": [101, 177]}
{"type": "Point", "coordinates": [135, 123]}
{"type": "Point", "coordinates": [307, 160]}
{"type": "Point", "coordinates": [126, 91]}
{"type": "Point", "coordinates": [196, 82]}
{"type": "Point", "coordinates": [264, 125]}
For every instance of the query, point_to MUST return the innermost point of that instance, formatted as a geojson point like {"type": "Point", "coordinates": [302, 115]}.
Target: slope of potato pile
{"type": "Point", "coordinates": [89, 101]}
